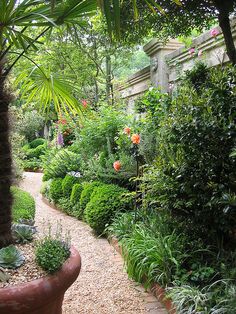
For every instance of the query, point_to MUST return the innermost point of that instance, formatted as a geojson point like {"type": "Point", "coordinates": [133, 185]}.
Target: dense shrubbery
{"type": "Point", "coordinates": [67, 185]}
{"type": "Point", "coordinates": [59, 162]}
{"type": "Point", "coordinates": [105, 202]}
{"type": "Point", "coordinates": [194, 176]}
{"type": "Point", "coordinates": [23, 205]}
{"type": "Point", "coordinates": [88, 188]}
{"type": "Point", "coordinates": [56, 192]}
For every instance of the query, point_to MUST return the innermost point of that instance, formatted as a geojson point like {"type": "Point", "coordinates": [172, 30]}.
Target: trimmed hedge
{"type": "Point", "coordinates": [23, 204]}
{"type": "Point", "coordinates": [88, 188]}
{"type": "Point", "coordinates": [36, 152]}
{"type": "Point", "coordinates": [105, 202]}
{"type": "Point", "coordinates": [37, 142]}
{"type": "Point", "coordinates": [67, 185]}
{"type": "Point", "coordinates": [76, 193]}
{"type": "Point", "coordinates": [56, 191]}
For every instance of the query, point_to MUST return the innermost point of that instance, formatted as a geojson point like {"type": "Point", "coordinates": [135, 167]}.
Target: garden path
{"type": "Point", "coordinates": [102, 286]}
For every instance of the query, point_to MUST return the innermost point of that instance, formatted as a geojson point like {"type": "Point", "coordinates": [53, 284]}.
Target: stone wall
{"type": "Point", "coordinates": [169, 61]}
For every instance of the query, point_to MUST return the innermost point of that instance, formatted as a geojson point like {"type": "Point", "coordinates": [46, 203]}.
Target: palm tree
{"type": "Point", "coordinates": [19, 19]}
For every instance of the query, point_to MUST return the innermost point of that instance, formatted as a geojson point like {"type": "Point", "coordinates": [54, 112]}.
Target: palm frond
{"type": "Point", "coordinates": [46, 88]}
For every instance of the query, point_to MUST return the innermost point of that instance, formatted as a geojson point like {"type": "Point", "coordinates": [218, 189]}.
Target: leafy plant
{"type": "Point", "coordinates": [105, 202]}
{"type": "Point", "coordinates": [85, 196]}
{"type": "Point", "coordinates": [76, 193]}
{"type": "Point", "coordinates": [60, 163]}
{"type": "Point", "coordinates": [11, 257]}
{"type": "Point", "coordinates": [56, 192]}
{"type": "Point", "coordinates": [23, 233]}
{"type": "Point", "coordinates": [37, 142]}
{"type": "Point", "coordinates": [67, 185]}
{"type": "Point", "coordinates": [51, 254]}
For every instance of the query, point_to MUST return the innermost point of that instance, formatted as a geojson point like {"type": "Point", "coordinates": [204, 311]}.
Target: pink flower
{"type": "Point", "coordinates": [117, 165]}
{"type": "Point", "coordinates": [191, 51]}
{"type": "Point", "coordinates": [214, 32]}
{"type": "Point", "coordinates": [135, 138]}
{"type": "Point", "coordinates": [84, 103]}
{"type": "Point", "coordinates": [199, 53]}
{"type": "Point", "coordinates": [127, 130]}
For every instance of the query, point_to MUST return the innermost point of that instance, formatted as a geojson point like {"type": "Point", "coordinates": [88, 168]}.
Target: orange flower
{"type": "Point", "coordinates": [84, 103]}
{"type": "Point", "coordinates": [117, 165]}
{"type": "Point", "coordinates": [135, 138]}
{"type": "Point", "coordinates": [127, 130]}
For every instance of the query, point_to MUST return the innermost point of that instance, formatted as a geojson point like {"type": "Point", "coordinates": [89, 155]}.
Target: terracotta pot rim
{"type": "Point", "coordinates": [45, 288]}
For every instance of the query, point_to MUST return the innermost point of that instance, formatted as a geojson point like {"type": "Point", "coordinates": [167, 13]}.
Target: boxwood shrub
{"type": "Point", "coordinates": [76, 193]}
{"type": "Point", "coordinates": [67, 185]}
{"type": "Point", "coordinates": [37, 142]}
{"type": "Point", "coordinates": [23, 204]}
{"type": "Point", "coordinates": [105, 202]}
{"type": "Point", "coordinates": [88, 188]}
{"type": "Point", "coordinates": [56, 191]}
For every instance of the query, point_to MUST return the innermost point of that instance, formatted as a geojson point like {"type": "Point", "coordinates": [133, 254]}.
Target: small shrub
{"type": "Point", "coordinates": [11, 257]}
{"type": "Point", "coordinates": [36, 152]}
{"type": "Point", "coordinates": [37, 142]}
{"type": "Point", "coordinates": [76, 193]}
{"type": "Point", "coordinates": [67, 185]}
{"type": "Point", "coordinates": [23, 205]}
{"type": "Point", "coordinates": [88, 188]}
{"type": "Point", "coordinates": [56, 191]}
{"type": "Point", "coordinates": [105, 202]}
{"type": "Point", "coordinates": [51, 254]}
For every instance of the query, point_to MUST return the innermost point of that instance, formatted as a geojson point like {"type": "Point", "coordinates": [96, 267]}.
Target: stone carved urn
{"type": "Point", "coordinates": [44, 295]}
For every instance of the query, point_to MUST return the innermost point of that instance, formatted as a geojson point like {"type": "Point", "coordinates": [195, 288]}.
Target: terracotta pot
{"type": "Point", "coordinates": [44, 295]}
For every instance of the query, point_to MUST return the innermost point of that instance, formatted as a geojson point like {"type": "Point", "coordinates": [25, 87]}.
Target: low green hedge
{"type": "Point", "coordinates": [76, 193]}
{"type": "Point", "coordinates": [36, 152]}
{"type": "Point", "coordinates": [37, 142]}
{"type": "Point", "coordinates": [23, 204]}
{"type": "Point", "coordinates": [105, 202]}
{"type": "Point", "coordinates": [56, 191]}
{"type": "Point", "coordinates": [67, 185]}
{"type": "Point", "coordinates": [88, 188]}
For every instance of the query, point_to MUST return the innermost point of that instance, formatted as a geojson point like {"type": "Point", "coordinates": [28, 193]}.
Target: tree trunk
{"type": "Point", "coordinates": [108, 78]}
{"type": "Point", "coordinates": [5, 165]}
{"type": "Point", "coordinates": [224, 8]}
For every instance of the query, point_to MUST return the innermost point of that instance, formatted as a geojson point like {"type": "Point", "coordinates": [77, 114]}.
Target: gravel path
{"type": "Point", "coordinates": [102, 286]}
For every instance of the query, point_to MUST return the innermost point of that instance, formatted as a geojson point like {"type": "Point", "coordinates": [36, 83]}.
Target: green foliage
{"type": "Point", "coordinates": [23, 233]}
{"type": "Point", "coordinates": [11, 257]}
{"type": "Point", "coordinates": [23, 205]}
{"type": "Point", "coordinates": [32, 164]}
{"type": "Point", "coordinates": [32, 122]}
{"type": "Point", "coordinates": [65, 205]}
{"type": "Point", "coordinates": [76, 193]}
{"type": "Point", "coordinates": [99, 132]}
{"type": "Point", "coordinates": [51, 254]}
{"type": "Point", "coordinates": [67, 185]}
{"type": "Point", "coordinates": [197, 76]}
{"type": "Point", "coordinates": [193, 172]}
{"type": "Point", "coordinates": [56, 192]}
{"type": "Point", "coordinates": [36, 152]}
{"type": "Point", "coordinates": [38, 141]}
{"type": "Point", "coordinates": [45, 188]}
{"type": "Point", "coordinates": [156, 256]}
{"type": "Point", "coordinates": [60, 163]}
{"type": "Point", "coordinates": [105, 202]}
{"type": "Point", "coordinates": [85, 196]}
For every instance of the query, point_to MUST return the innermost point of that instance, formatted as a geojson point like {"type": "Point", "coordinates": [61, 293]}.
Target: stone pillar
{"type": "Point", "coordinates": [157, 51]}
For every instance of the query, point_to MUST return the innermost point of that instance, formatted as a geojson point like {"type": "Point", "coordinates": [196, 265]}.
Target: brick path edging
{"type": "Point", "coordinates": [156, 289]}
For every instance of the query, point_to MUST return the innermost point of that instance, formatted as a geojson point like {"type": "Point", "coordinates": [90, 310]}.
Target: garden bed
{"type": "Point", "coordinates": [156, 289]}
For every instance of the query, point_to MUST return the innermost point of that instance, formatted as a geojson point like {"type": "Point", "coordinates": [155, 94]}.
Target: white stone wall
{"type": "Point", "coordinates": [169, 61]}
